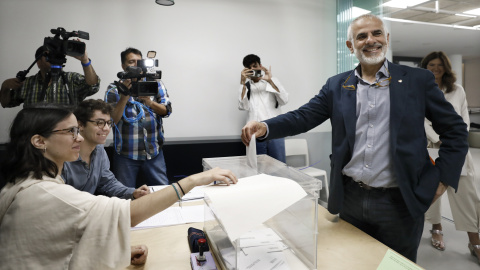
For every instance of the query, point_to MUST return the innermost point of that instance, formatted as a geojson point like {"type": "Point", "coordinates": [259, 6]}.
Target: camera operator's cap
{"type": "Point", "coordinates": [40, 51]}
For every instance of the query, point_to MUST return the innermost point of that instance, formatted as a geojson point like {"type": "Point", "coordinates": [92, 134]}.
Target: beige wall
{"type": "Point", "coordinates": [472, 82]}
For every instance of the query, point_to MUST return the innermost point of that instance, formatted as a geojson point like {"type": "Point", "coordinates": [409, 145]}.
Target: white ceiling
{"type": "Point", "coordinates": [443, 30]}
{"type": "Point", "coordinates": [445, 14]}
{"type": "Point", "coordinates": [418, 40]}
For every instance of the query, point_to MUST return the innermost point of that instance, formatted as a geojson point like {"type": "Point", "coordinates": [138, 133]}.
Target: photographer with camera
{"type": "Point", "coordinates": [262, 97]}
{"type": "Point", "coordinates": [138, 134]}
{"type": "Point", "coordinates": [64, 88]}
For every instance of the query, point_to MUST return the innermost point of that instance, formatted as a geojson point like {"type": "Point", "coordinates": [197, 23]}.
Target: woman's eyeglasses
{"type": "Point", "coordinates": [101, 123]}
{"type": "Point", "coordinates": [74, 130]}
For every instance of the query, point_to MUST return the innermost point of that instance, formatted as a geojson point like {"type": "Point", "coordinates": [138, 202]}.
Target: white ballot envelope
{"type": "Point", "coordinates": [252, 153]}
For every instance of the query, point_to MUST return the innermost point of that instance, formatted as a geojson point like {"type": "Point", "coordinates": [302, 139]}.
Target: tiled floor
{"type": "Point", "coordinates": [456, 255]}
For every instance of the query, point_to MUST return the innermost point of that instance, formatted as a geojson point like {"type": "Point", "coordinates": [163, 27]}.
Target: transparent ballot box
{"type": "Point", "coordinates": [287, 240]}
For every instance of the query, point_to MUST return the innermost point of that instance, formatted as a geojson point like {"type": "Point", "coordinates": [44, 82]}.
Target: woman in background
{"type": "Point", "coordinates": [465, 204]}
{"type": "Point", "coordinates": [46, 224]}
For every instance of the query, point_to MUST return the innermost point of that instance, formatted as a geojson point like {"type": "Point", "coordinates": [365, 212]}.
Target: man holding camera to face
{"type": "Point", "coordinates": [138, 133]}
{"type": "Point", "coordinates": [66, 88]}
{"type": "Point", "coordinates": [262, 97]}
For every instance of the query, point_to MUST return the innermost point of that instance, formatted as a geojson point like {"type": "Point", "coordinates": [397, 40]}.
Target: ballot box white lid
{"type": "Point", "coordinates": [296, 226]}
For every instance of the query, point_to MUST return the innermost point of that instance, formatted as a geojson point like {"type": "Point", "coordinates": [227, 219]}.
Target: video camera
{"type": "Point", "coordinates": [58, 47]}
{"type": "Point", "coordinates": [145, 74]}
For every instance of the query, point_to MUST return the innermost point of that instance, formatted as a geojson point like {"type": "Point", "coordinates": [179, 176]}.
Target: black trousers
{"type": "Point", "coordinates": [383, 214]}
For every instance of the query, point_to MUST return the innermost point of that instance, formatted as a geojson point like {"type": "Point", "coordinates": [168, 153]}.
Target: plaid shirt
{"type": "Point", "coordinates": [141, 138]}
{"type": "Point", "coordinates": [33, 85]}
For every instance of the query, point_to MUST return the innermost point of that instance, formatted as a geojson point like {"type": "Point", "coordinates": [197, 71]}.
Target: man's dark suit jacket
{"type": "Point", "coordinates": [414, 95]}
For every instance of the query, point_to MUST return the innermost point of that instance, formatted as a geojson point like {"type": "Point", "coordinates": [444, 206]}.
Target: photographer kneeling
{"type": "Point", "coordinates": [138, 132]}
{"type": "Point", "coordinates": [40, 87]}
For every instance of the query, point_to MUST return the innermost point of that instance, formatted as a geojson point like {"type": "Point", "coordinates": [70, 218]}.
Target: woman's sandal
{"type": "Point", "coordinates": [440, 245]}
{"type": "Point", "coordinates": [472, 250]}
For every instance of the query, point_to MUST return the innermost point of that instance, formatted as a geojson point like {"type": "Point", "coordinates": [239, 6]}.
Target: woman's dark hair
{"type": "Point", "coordinates": [23, 157]}
{"type": "Point", "coordinates": [87, 108]}
{"type": "Point", "coordinates": [250, 59]}
{"type": "Point", "coordinates": [448, 78]}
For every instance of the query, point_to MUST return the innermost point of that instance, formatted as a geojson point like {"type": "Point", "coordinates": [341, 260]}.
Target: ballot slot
{"type": "Point", "coordinates": [288, 240]}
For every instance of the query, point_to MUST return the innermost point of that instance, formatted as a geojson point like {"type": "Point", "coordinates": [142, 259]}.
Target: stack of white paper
{"type": "Point", "coordinates": [252, 201]}
{"type": "Point", "coordinates": [260, 249]}
{"type": "Point", "coordinates": [173, 216]}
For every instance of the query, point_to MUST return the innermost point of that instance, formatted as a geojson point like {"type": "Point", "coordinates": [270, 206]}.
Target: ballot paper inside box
{"type": "Point", "coordinates": [267, 221]}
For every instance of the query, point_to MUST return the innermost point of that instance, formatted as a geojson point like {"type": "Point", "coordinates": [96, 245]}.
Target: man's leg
{"type": "Point", "coordinates": [261, 147]}
{"type": "Point", "coordinates": [396, 227]}
{"type": "Point", "coordinates": [155, 170]}
{"type": "Point", "coordinates": [276, 149]}
{"type": "Point", "coordinates": [384, 216]}
{"type": "Point", "coordinates": [126, 170]}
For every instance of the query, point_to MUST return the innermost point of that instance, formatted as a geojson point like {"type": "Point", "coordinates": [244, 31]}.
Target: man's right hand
{"type": "Point", "coordinates": [5, 93]}
{"type": "Point", "coordinates": [141, 191]}
{"type": "Point", "coordinates": [128, 84]}
{"type": "Point", "coordinates": [12, 83]}
{"type": "Point", "coordinates": [440, 190]}
{"type": "Point", "coordinates": [253, 127]}
{"type": "Point", "coordinates": [122, 102]}
{"type": "Point", "coordinates": [244, 75]}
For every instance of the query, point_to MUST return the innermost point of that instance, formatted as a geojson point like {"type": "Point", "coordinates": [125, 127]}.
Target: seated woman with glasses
{"type": "Point", "coordinates": [47, 224]}
{"type": "Point", "coordinates": [91, 171]}
{"type": "Point", "coordinates": [465, 203]}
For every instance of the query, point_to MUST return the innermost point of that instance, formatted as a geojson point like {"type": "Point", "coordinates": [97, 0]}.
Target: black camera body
{"type": "Point", "coordinates": [141, 89]}
{"type": "Point", "coordinates": [59, 46]}
{"type": "Point", "coordinates": [257, 73]}
{"type": "Point", "coordinates": [146, 77]}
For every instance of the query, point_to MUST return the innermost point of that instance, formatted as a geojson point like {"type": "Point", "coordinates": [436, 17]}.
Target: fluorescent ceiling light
{"type": "Point", "coordinates": [465, 15]}
{"type": "Point", "coordinates": [473, 11]}
{"type": "Point", "coordinates": [356, 12]}
{"type": "Point", "coordinates": [434, 24]}
{"type": "Point", "coordinates": [403, 3]}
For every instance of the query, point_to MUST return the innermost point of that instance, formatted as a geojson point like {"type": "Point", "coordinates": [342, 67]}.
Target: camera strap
{"type": "Point", "coordinates": [46, 80]}
{"type": "Point", "coordinates": [70, 94]}
{"type": "Point", "coordinates": [48, 77]}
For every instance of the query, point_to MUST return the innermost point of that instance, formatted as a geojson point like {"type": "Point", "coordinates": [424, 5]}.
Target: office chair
{"type": "Point", "coordinates": [473, 138]}
{"type": "Point", "coordinates": [295, 148]}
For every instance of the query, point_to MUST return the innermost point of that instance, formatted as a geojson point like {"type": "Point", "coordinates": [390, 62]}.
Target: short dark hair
{"type": "Point", "coordinates": [24, 158]}
{"type": "Point", "coordinates": [449, 77]}
{"type": "Point", "coordinates": [87, 108]}
{"type": "Point", "coordinates": [123, 55]}
{"type": "Point", "coordinates": [40, 51]}
{"type": "Point", "coordinates": [250, 59]}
